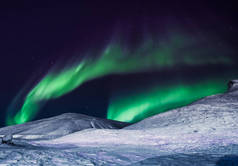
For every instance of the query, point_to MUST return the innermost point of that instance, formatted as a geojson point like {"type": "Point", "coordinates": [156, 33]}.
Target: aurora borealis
{"type": "Point", "coordinates": [115, 59]}
{"type": "Point", "coordinates": [140, 105]}
{"type": "Point", "coordinates": [147, 58]}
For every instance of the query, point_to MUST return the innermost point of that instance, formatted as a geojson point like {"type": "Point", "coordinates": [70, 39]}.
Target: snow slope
{"type": "Point", "coordinates": [207, 122]}
{"type": "Point", "coordinates": [202, 133]}
{"type": "Point", "coordinates": [59, 126]}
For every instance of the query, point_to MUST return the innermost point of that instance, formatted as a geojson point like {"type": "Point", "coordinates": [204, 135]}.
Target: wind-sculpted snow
{"type": "Point", "coordinates": [202, 133]}
{"type": "Point", "coordinates": [192, 159]}
{"type": "Point", "coordinates": [111, 156]}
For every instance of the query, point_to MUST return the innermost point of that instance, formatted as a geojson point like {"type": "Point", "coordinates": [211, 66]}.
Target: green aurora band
{"type": "Point", "coordinates": [115, 59]}
{"type": "Point", "coordinates": [139, 105]}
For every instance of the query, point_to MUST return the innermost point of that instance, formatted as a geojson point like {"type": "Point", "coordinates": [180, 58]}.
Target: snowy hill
{"type": "Point", "coordinates": [59, 126]}
{"type": "Point", "coordinates": [202, 133]}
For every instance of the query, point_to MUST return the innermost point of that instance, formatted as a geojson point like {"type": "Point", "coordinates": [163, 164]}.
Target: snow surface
{"type": "Point", "coordinates": [202, 133]}
{"type": "Point", "coordinates": [59, 126]}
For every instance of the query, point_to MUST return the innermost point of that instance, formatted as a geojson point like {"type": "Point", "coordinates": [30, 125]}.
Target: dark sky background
{"type": "Point", "coordinates": [34, 35]}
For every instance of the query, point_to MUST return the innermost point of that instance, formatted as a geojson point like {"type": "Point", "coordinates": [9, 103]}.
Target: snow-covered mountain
{"type": "Point", "coordinates": [59, 126]}
{"type": "Point", "coordinates": [202, 133]}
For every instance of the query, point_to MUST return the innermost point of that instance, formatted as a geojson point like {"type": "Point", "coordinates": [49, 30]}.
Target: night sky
{"type": "Point", "coordinates": [161, 50]}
